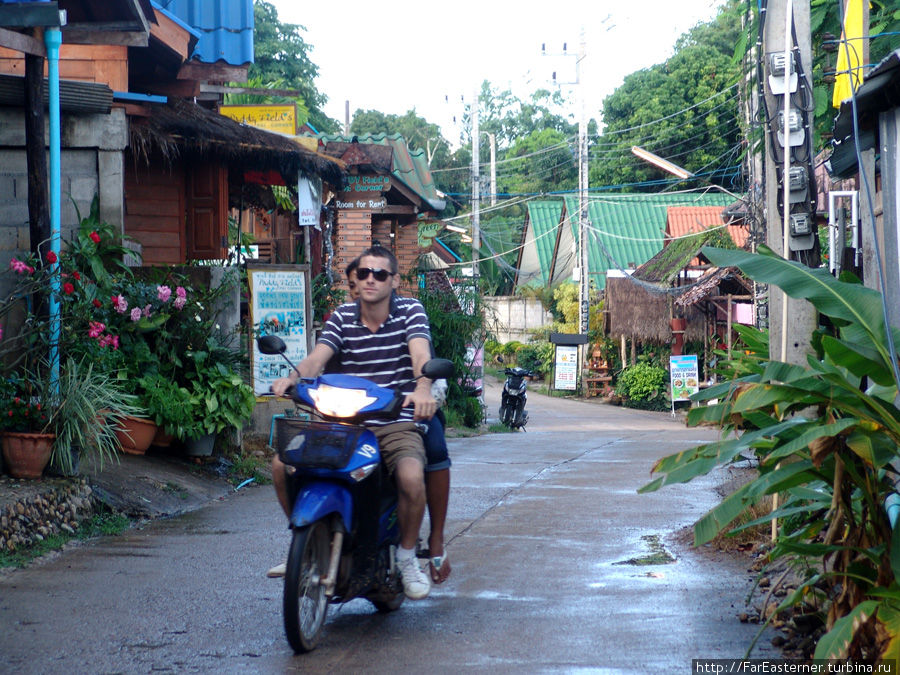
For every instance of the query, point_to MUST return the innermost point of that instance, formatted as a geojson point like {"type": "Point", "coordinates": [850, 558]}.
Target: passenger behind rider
{"type": "Point", "coordinates": [381, 328]}
{"type": "Point", "coordinates": [437, 467]}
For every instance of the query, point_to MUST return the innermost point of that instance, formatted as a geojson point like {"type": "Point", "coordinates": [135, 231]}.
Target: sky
{"type": "Point", "coordinates": [397, 55]}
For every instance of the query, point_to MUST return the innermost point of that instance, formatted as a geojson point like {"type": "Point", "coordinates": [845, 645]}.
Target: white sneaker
{"type": "Point", "coordinates": [277, 571]}
{"type": "Point", "coordinates": [416, 584]}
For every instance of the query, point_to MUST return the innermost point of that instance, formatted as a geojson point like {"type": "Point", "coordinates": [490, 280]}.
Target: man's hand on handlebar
{"type": "Point", "coordinates": [281, 385]}
{"type": "Point", "coordinates": [424, 403]}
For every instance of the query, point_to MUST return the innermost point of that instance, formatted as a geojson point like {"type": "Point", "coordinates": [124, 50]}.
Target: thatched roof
{"type": "Point", "coordinates": [709, 283]}
{"type": "Point", "coordinates": [665, 266]}
{"type": "Point", "coordinates": [183, 129]}
{"type": "Point", "coordinates": [637, 312]}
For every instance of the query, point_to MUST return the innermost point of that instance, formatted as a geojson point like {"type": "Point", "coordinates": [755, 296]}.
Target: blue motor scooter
{"type": "Point", "coordinates": [344, 517]}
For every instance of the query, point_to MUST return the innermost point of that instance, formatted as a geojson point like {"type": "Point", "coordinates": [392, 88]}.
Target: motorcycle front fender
{"type": "Point", "coordinates": [317, 500]}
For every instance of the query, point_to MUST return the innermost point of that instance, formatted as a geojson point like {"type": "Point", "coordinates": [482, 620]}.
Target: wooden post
{"type": "Point", "coordinates": [36, 154]}
{"type": "Point", "coordinates": [728, 324]}
{"type": "Point", "coordinates": [622, 351]}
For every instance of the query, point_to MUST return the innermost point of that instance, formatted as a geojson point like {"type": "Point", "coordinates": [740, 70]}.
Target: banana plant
{"type": "Point", "coordinates": [827, 439]}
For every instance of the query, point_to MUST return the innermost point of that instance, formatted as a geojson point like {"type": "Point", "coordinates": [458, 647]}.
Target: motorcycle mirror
{"type": "Point", "coordinates": [499, 358]}
{"type": "Point", "coordinates": [437, 369]}
{"type": "Point", "coordinates": [271, 344]}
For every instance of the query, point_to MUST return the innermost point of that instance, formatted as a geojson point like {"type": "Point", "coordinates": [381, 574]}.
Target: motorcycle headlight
{"type": "Point", "coordinates": [339, 402]}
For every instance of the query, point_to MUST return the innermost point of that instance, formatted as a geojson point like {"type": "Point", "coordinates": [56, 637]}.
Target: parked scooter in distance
{"type": "Point", "coordinates": [512, 403]}
{"type": "Point", "coordinates": [344, 513]}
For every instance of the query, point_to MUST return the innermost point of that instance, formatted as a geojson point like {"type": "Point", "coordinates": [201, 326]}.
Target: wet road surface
{"type": "Point", "coordinates": [541, 527]}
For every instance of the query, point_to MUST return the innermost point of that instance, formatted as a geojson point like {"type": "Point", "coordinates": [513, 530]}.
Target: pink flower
{"type": "Point", "coordinates": [94, 237]}
{"type": "Point", "coordinates": [179, 302]}
{"type": "Point", "coordinates": [115, 342]}
{"type": "Point", "coordinates": [120, 304]}
{"type": "Point", "coordinates": [163, 293]}
{"type": "Point", "coordinates": [1, 333]}
{"type": "Point", "coordinates": [180, 292]}
{"type": "Point", "coordinates": [146, 311]}
{"type": "Point", "coordinates": [96, 329]}
{"type": "Point", "coordinates": [19, 267]}
{"type": "Point", "coordinates": [136, 314]}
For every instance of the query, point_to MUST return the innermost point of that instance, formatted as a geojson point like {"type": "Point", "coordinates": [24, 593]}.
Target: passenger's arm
{"type": "Point", "coordinates": [421, 398]}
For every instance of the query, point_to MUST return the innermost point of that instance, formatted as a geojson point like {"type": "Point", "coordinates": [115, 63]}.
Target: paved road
{"type": "Point", "coordinates": [540, 526]}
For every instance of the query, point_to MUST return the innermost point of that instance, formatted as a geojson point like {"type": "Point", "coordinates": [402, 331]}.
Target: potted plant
{"type": "Point", "coordinates": [26, 423]}
{"type": "Point", "coordinates": [89, 408]}
{"type": "Point", "coordinates": [220, 399]}
{"type": "Point", "coordinates": [168, 404]}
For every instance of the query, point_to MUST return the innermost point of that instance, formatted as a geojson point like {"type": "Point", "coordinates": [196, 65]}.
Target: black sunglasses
{"type": "Point", "coordinates": [362, 273]}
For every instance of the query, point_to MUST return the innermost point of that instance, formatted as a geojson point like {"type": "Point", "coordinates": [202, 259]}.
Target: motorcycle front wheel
{"type": "Point", "coordinates": [305, 604]}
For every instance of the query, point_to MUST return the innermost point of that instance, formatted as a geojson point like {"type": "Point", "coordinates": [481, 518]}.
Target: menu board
{"type": "Point", "coordinates": [683, 375]}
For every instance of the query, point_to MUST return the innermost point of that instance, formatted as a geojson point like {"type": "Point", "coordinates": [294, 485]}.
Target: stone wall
{"type": "Point", "coordinates": [30, 511]}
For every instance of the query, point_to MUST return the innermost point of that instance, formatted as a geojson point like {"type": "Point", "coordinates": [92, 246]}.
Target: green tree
{"type": "Point", "coordinates": [282, 55]}
{"type": "Point", "coordinates": [685, 110]}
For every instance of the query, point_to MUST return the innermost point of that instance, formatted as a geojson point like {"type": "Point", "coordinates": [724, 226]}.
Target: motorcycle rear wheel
{"type": "Point", "coordinates": [305, 605]}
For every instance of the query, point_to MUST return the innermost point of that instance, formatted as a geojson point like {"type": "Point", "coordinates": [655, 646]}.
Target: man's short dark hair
{"type": "Point", "coordinates": [379, 251]}
{"type": "Point", "coordinates": [351, 268]}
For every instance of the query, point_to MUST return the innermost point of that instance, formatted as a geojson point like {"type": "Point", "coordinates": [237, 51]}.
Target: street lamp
{"type": "Point", "coordinates": [663, 164]}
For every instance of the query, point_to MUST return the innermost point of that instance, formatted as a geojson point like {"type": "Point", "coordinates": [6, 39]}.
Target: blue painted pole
{"type": "Point", "coordinates": [53, 39]}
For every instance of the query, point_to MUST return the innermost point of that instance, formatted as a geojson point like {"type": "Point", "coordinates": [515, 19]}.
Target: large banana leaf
{"type": "Point", "coordinates": [854, 303]}
{"type": "Point", "coordinates": [835, 643]}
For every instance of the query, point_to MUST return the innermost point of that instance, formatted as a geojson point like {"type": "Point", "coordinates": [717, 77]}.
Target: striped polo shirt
{"type": "Point", "coordinates": [383, 356]}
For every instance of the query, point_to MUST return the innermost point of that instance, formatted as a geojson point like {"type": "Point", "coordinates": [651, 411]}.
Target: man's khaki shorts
{"type": "Point", "coordinates": [398, 440]}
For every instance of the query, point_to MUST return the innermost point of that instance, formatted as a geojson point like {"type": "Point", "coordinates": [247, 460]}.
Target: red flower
{"type": "Point", "coordinates": [97, 303]}
{"type": "Point", "coordinates": [68, 288]}
{"type": "Point", "coordinates": [76, 275]}
{"type": "Point", "coordinates": [94, 237]}
{"type": "Point", "coordinates": [51, 257]}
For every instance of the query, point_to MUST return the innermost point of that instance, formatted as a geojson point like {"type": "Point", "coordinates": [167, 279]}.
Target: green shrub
{"type": "Point", "coordinates": [641, 382]}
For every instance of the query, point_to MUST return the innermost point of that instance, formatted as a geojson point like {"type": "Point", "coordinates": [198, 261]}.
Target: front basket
{"type": "Point", "coordinates": [319, 445]}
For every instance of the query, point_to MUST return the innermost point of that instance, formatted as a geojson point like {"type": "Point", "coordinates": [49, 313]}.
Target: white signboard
{"type": "Point", "coordinates": [566, 367]}
{"type": "Point", "coordinates": [309, 201]}
{"type": "Point", "coordinates": [279, 305]}
{"type": "Point", "coordinates": [683, 375]}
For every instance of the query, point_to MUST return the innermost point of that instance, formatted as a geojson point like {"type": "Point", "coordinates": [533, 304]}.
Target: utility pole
{"type": "Point", "coordinates": [476, 189]}
{"type": "Point", "coordinates": [493, 139]}
{"type": "Point", "coordinates": [790, 183]}
{"type": "Point", "coordinates": [584, 279]}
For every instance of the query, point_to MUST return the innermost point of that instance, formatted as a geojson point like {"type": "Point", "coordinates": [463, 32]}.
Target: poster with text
{"type": "Point", "coordinates": [279, 305]}
{"type": "Point", "coordinates": [566, 367]}
{"type": "Point", "coordinates": [683, 375]}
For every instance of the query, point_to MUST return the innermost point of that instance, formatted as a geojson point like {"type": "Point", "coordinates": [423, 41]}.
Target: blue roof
{"type": "Point", "coordinates": [225, 26]}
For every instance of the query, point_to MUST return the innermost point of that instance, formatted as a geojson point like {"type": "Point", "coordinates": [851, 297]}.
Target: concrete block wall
{"type": "Point", "coordinates": [511, 317]}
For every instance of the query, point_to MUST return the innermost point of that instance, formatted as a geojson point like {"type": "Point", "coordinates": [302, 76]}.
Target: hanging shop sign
{"type": "Point", "coordinates": [357, 202]}
{"type": "Point", "coordinates": [281, 118]}
{"type": "Point", "coordinates": [309, 201]}
{"type": "Point", "coordinates": [367, 184]}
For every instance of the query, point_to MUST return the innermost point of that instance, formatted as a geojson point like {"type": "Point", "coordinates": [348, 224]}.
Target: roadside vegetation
{"type": "Point", "coordinates": [825, 439]}
{"type": "Point", "coordinates": [105, 522]}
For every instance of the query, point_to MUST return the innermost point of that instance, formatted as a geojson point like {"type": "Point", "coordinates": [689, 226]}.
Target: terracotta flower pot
{"type": "Point", "coordinates": [135, 434]}
{"type": "Point", "coordinates": [26, 454]}
{"type": "Point", "coordinates": [162, 439]}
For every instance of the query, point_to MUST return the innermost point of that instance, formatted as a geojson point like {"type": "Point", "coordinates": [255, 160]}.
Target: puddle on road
{"type": "Point", "coordinates": [657, 555]}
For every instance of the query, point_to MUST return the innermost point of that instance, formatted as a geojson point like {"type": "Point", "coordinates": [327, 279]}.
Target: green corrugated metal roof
{"type": "Point", "coordinates": [409, 166]}
{"type": "Point", "coordinates": [629, 228]}
{"type": "Point", "coordinates": [540, 237]}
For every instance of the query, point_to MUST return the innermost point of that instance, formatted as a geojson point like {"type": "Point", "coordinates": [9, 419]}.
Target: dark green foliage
{"type": "Point", "coordinates": [452, 331]}
{"type": "Point", "coordinates": [280, 54]}
{"type": "Point", "coordinates": [641, 382]}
